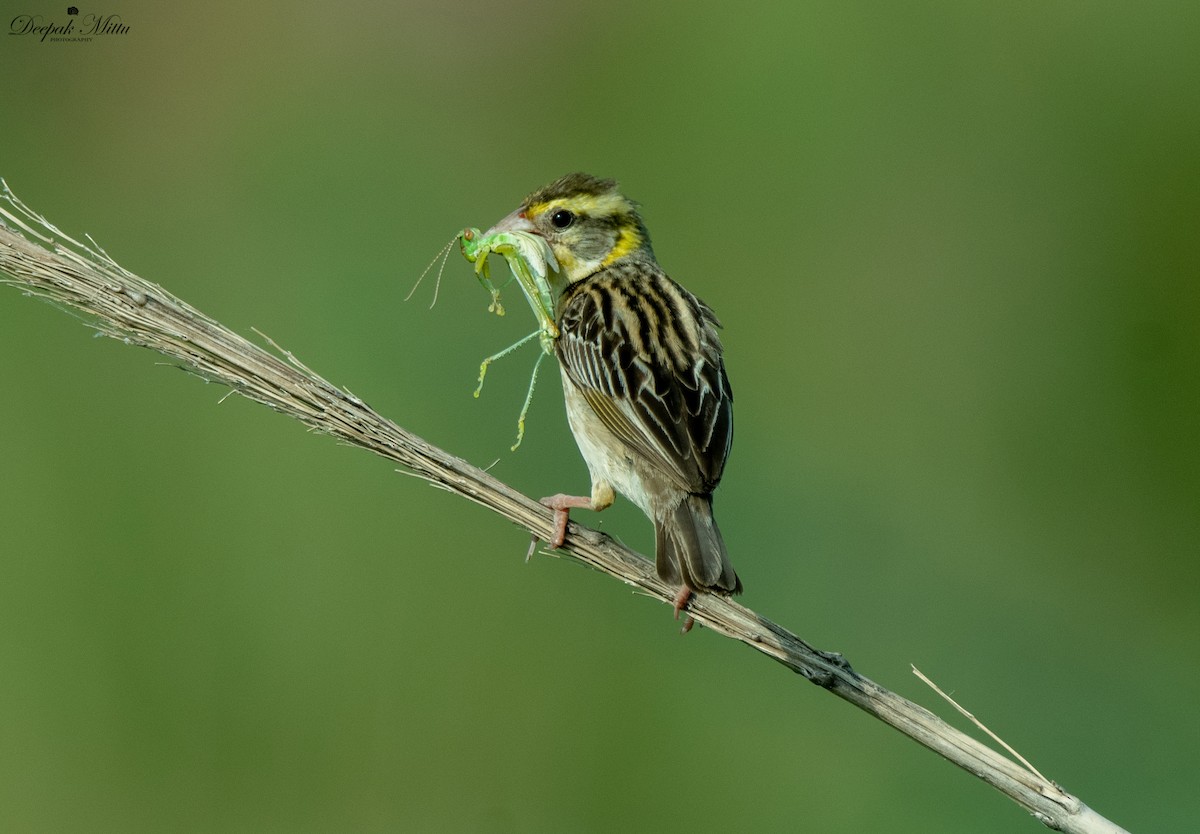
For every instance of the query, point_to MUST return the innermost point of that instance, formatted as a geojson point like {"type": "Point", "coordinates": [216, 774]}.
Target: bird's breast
{"type": "Point", "coordinates": [608, 458]}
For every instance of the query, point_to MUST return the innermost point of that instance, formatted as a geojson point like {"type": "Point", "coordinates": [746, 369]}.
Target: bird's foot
{"type": "Point", "coordinates": [681, 601]}
{"type": "Point", "coordinates": [562, 504]}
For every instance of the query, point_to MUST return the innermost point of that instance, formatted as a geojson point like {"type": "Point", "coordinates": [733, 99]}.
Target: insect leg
{"type": "Point", "coordinates": [483, 366]}
{"type": "Point", "coordinates": [528, 400]}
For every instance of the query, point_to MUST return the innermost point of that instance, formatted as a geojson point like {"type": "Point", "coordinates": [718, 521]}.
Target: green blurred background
{"type": "Point", "coordinates": [955, 250]}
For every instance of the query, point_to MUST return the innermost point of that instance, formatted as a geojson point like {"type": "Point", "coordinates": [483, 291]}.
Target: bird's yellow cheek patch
{"type": "Point", "coordinates": [627, 242]}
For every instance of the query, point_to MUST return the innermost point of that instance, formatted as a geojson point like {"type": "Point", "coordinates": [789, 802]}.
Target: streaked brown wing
{"type": "Point", "coordinates": [646, 355]}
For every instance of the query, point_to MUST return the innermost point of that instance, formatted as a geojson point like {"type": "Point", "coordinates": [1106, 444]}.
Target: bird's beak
{"type": "Point", "coordinates": [515, 222]}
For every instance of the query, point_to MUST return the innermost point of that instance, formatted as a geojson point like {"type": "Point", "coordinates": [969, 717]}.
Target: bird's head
{"type": "Point", "coordinates": [587, 222]}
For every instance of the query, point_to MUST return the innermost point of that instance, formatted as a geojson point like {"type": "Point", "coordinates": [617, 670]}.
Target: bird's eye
{"type": "Point", "coordinates": [562, 218]}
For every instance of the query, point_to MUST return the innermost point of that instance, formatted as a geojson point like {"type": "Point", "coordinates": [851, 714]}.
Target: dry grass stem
{"type": "Point", "coordinates": [978, 723]}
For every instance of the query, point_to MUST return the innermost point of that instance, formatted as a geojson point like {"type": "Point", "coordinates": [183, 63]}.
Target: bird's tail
{"type": "Point", "coordinates": [689, 549]}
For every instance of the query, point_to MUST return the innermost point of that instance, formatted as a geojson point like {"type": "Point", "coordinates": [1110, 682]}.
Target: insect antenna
{"type": "Point", "coordinates": [444, 254]}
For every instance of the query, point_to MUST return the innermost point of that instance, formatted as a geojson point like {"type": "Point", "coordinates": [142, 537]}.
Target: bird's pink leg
{"type": "Point", "coordinates": [681, 600]}
{"type": "Point", "coordinates": [562, 504]}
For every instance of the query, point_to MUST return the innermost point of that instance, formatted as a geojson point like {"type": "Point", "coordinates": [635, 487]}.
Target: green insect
{"type": "Point", "coordinates": [532, 263]}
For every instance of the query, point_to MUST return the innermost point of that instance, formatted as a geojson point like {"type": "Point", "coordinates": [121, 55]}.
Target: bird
{"type": "Point", "coordinates": [647, 396]}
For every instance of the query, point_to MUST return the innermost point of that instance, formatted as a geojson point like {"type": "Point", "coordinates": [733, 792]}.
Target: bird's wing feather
{"type": "Point", "coordinates": [645, 354]}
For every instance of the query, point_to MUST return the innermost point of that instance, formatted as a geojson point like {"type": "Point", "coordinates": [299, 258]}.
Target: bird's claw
{"type": "Point", "coordinates": [562, 504]}
{"type": "Point", "coordinates": [681, 601]}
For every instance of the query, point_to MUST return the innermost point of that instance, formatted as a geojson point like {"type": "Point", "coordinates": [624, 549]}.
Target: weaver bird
{"type": "Point", "coordinates": [645, 387]}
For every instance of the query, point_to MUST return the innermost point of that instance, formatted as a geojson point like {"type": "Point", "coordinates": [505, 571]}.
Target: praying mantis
{"type": "Point", "coordinates": [533, 265]}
